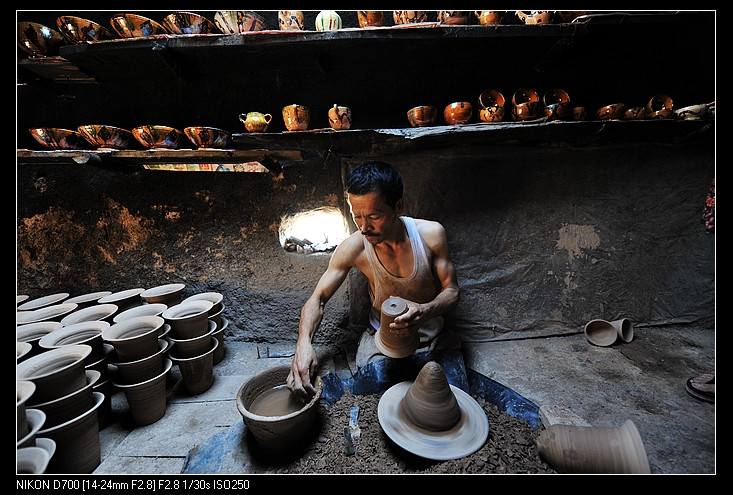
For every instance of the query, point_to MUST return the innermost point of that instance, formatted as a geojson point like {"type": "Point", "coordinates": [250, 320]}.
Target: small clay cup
{"type": "Point", "coordinates": [296, 117]}
{"type": "Point", "coordinates": [339, 117]}
{"type": "Point", "coordinates": [422, 116]}
{"type": "Point", "coordinates": [614, 111]}
{"type": "Point", "coordinates": [459, 112]}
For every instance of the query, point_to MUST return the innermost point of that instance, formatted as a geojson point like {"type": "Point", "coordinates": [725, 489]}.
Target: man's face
{"type": "Point", "coordinates": [373, 217]}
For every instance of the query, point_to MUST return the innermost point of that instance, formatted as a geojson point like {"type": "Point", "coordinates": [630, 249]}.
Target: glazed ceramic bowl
{"type": "Point", "coordinates": [614, 111]}
{"type": "Point", "coordinates": [106, 136]}
{"type": "Point", "coordinates": [239, 21]}
{"type": "Point", "coordinates": [168, 294]}
{"type": "Point", "coordinates": [189, 23]}
{"type": "Point", "coordinates": [38, 40]}
{"type": "Point", "coordinates": [57, 138]}
{"type": "Point", "coordinates": [136, 26]}
{"type": "Point", "coordinates": [422, 116]}
{"type": "Point", "coordinates": [158, 136]}
{"type": "Point", "coordinates": [78, 30]}
{"type": "Point", "coordinates": [208, 137]}
{"type": "Point", "coordinates": [459, 112]}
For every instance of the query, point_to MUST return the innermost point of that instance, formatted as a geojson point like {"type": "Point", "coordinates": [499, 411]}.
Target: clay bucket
{"type": "Point", "coordinates": [600, 333]}
{"type": "Point", "coordinates": [219, 335]}
{"type": "Point", "coordinates": [35, 418]}
{"type": "Point", "coordinates": [134, 338]}
{"type": "Point", "coordinates": [188, 319]}
{"type": "Point", "coordinates": [188, 348]}
{"type": "Point", "coordinates": [624, 329]}
{"type": "Point", "coordinates": [78, 449]}
{"type": "Point", "coordinates": [147, 400]}
{"type": "Point", "coordinates": [592, 449]}
{"type": "Point", "coordinates": [31, 460]}
{"type": "Point", "coordinates": [56, 372]}
{"type": "Point", "coordinates": [23, 391]}
{"type": "Point", "coordinates": [96, 312]}
{"type": "Point", "coordinates": [388, 343]}
{"type": "Point", "coordinates": [429, 402]}
{"type": "Point", "coordinates": [33, 333]}
{"type": "Point", "coordinates": [169, 294]}
{"type": "Point", "coordinates": [85, 332]}
{"type": "Point", "coordinates": [72, 405]}
{"type": "Point", "coordinates": [143, 369]}
{"type": "Point", "coordinates": [275, 434]}
{"type": "Point", "coordinates": [155, 309]}
{"type": "Point", "coordinates": [197, 371]}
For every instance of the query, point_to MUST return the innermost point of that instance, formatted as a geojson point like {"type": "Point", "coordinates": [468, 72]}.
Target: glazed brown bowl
{"type": "Point", "coordinates": [38, 40]}
{"type": "Point", "coordinates": [158, 136]}
{"type": "Point", "coordinates": [136, 26]}
{"type": "Point", "coordinates": [208, 137]}
{"type": "Point", "coordinates": [107, 136]}
{"type": "Point", "coordinates": [239, 21]}
{"type": "Point", "coordinates": [189, 23]}
{"type": "Point", "coordinates": [459, 112]}
{"type": "Point", "coordinates": [78, 30]}
{"type": "Point", "coordinates": [56, 138]}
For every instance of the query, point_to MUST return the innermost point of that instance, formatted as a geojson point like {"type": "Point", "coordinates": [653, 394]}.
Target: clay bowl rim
{"type": "Point", "coordinates": [163, 346]}
{"type": "Point", "coordinates": [95, 312]}
{"type": "Point", "coordinates": [132, 328]}
{"type": "Point", "coordinates": [42, 302]}
{"type": "Point", "coordinates": [200, 306]}
{"type": "Point", "coordinates": [214, 297]}
{"type": "Point", "coordinates": [32, 460]}
{"type": "Point", "coordinates": [89, 297]}
{"type": "Point", "coordinates": [98, 399]}
{"type": "Point", "coordinates": [24, 389]}
{"type": "Point", "coordinates": [47, 313]}
{"type": "Point", "coordinates": [121, 296]}
{"type": "Point", "coordinates": [167, 365]}
{"type": "Point", "coordinates": [138, 19]}
{"type": "Point", "coordinates": [86, 330]}
{"type": "Point", "coordinates": [52, 361]}
{"type": "Point", "coordinates": [247, 414]}
{"type": "Point", "coordinates": [141, 310]}
{"type": "Point", "coordinates": [35, 418]}
{"type": "Point", "coordinates": [138, 134]}
{"type": "Point", "coordinates": [35, 331]}
{"type": "Point", "coordinates": [22, 349]}
{"type": "Point", "coordinates": [162, 291]}
{"type": "Point", "coordinates": [92, 377]}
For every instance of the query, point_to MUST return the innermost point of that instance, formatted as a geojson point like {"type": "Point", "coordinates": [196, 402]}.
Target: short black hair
{"type": "Point", "coordinates": [376, 176]}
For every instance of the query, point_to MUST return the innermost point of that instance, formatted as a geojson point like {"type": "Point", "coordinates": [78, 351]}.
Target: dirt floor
{"type": "Point", "coordinates": [509, 449]}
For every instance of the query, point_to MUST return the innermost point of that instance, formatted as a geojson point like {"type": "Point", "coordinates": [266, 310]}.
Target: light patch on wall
{"type": "Point", "coordinates": [321, 229]}
{"type": "Point", "coordinates": [575, 238]}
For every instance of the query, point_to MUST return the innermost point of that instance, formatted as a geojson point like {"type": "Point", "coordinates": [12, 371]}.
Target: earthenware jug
{"type": "Point", "coordinates": [255, 121]}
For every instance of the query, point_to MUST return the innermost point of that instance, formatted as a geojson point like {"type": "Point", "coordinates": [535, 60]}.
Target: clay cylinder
{"type": "Point", "coordinates": [591, 449]}
{"type": "Point", "coordinates": [388, 343]}
{"type": "Point", "coordinates": [429, 402]}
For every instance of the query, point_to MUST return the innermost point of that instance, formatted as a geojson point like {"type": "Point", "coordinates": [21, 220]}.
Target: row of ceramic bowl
{"type": "Point", "coordinates": [116, 138]}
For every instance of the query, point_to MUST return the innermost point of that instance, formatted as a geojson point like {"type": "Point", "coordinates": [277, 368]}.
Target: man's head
{"type": "Point", "coordinates": [378, 177]}
{"type": "Point", "coordinates": [375, 197]}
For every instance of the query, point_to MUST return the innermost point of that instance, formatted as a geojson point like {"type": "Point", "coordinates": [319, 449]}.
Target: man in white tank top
{"type": "Point", "coordinates": [399, 255]}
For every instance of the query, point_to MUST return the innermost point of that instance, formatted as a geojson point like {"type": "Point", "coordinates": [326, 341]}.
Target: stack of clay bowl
{"type": "Point", "coordinates": [192, 343]}
{"type": "Point", "coordinates": [32, 453]}
{"type": "Point", "coordinates": [216, 313]}
{"type": "Point", "coordinates": [65, 401]}
{"type": "Point", "coordinates": [139, 365]}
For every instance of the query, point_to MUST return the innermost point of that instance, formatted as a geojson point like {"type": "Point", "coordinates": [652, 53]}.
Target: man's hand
{"type": "Point", "coordinates": [303, 372]}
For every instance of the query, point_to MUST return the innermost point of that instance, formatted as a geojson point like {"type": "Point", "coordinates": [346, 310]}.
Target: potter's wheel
{"type": "Point", "coordinates": [465, 438]}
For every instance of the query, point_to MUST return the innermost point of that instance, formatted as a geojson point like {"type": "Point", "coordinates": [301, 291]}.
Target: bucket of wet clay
{"type": "Point", "coordinates": [277, 418]}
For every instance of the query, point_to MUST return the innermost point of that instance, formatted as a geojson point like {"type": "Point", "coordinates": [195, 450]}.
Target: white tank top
{"type": "Point", "coordinates": [420, 286]}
